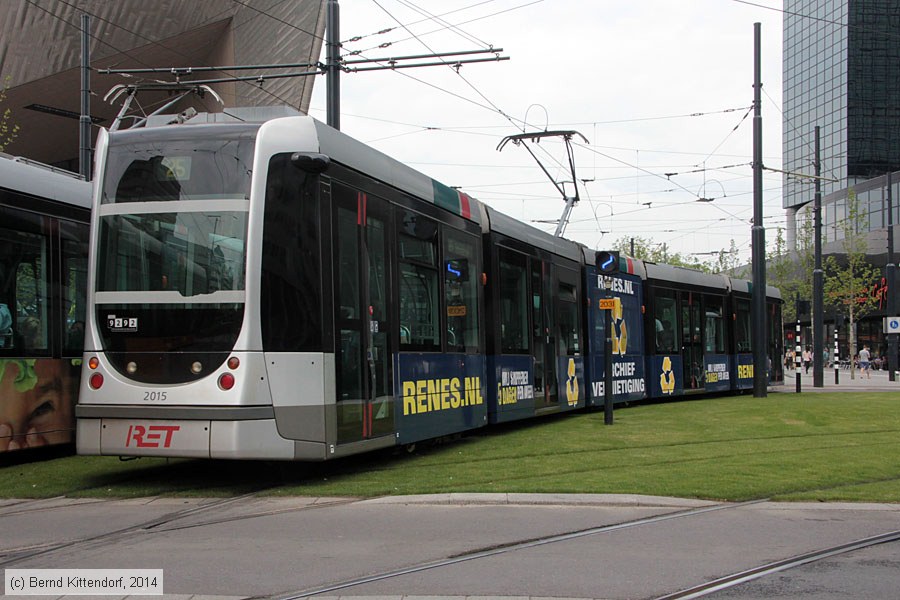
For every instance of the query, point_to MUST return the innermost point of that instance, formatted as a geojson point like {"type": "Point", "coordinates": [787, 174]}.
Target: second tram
{"type": "Point", "coordinates": [44, 215]}
{"type": "Point", "coordinates": [279, 290]}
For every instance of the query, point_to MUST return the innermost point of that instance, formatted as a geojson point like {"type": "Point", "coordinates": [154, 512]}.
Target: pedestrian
{"type": "Point", "coordinates": [807, 360]}
{"type": "Point", "coordinates": [864, 358]}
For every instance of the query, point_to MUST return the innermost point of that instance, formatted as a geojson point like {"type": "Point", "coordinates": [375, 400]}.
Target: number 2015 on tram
{"type": "Point", "coordinates": [278, 290]}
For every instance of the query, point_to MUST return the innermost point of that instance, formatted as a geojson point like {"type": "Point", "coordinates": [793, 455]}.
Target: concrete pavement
{"type": "Point", "coordinates": [251, 546]}
{"type": "Point", "coordinates": [878, 381]}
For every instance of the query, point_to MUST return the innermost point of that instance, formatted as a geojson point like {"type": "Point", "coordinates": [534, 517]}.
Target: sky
{"type": "Point", "coordinates": [662, 90]}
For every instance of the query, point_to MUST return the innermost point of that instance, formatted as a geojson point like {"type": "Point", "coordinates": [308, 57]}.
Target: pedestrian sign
{"type": "Point", "coordinates": [892, 324]}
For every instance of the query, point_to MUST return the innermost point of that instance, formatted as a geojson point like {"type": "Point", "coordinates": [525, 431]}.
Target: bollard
{"type": "Point", "coordinates": [798, 352]}
{"type": "Point", "coordinates": [837, 357]}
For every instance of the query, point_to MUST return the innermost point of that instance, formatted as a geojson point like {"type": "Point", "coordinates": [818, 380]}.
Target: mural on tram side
{"type": "Point", "coordinates": [37, 399]}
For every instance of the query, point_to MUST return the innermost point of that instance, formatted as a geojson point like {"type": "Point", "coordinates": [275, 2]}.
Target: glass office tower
{"type": "Point", "coordinates": [841, 67]}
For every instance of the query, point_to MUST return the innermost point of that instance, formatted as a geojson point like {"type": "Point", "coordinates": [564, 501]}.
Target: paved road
{"type": "Point", "coordinates": [283, 546]}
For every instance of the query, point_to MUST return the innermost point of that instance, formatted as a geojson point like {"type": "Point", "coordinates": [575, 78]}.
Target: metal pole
{"type": "Point", "coordinates": [332, 65]}
{"type": "Point", "coordinates": [798, 347]}
{"type": "Point", "coordinates": [758, 234]}
{"type": "Point", "coordinates": [607, 370]}
{"type": "Point", "coordinates": [891, 276]}
{"type": "Point", "coordinates": [818, 320]}
{"type": "Point", "coordinates": [84, 121]}
{"type": "Point", "coordinates": [837, 355]}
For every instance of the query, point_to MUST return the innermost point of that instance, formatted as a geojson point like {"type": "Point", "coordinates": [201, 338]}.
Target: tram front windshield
{"type": "Point", "coordinates": [188, 228]}
{"type": "Point", "coordinates": [172, 238]}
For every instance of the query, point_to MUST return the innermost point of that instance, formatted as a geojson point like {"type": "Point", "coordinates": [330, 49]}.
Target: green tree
{"type": "Point", "coordinates": [848, 277]}
{"type": "Point", "coordinates": [791, 272]}
{"type": "Point", "coordinates": [649, 250]}
{"type": "Point", "coordinates": [727, 261]}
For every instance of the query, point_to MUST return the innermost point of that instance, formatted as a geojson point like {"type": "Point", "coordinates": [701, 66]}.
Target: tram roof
{"type": "Point", "coordinates": [354, 154]}
{"type": "Point", "coordinates": [685, 276]}
{"type": "Point", "coordinates": [37, 179]}
{"type": "Point", "coordinates": [746, 286]}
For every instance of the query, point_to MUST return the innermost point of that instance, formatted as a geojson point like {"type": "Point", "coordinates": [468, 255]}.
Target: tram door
{"type": "Point", "coordinates": [544, 341]}
{"type": "Point", "coordinates": [362, 316]}
{"type": "Point", "coordinates": [691, 342]}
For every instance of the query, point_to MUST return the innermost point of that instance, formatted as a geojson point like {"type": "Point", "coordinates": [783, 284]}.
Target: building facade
{"type": "Point", "coordinates": [839, 68]}
{"type": "Point", "coordinates": [40, 58]}
{"type": "Point", "coordinates": [840, 65]}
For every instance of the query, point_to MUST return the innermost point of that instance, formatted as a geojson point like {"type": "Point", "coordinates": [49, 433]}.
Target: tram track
{"type": "Point", "coordinates": [697, 591]}
{"type": "Point", "coordinates": [506, 548]}
{"type": "Point", "coordinates": [162, 524]}
{"type": "Point", "coordinates": [735, 579]}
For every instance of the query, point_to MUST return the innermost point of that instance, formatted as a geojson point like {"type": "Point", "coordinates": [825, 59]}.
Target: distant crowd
{"type": "Point", "coordinates": [864, 360]}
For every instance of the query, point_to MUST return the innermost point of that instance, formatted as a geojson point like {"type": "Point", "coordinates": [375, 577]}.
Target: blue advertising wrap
{"type": "Point", "coordinates": [510, 388]}
{"type": "Point", "coordinates": [438, 394]}
{"type": "Point", "coordinates": [628, 370]}
{"type": "Point", "coordinates": [666, 377]}
{"type": "Point", "coordinates": [744, 370]}
{"type": "Point", "coordinates": [571, 382]}
{"type": "Point", "coordinates": [717, 375]}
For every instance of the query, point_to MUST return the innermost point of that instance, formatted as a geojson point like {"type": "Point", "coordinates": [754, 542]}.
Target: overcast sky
{"type": "Point", "coordinates": [657, 87]}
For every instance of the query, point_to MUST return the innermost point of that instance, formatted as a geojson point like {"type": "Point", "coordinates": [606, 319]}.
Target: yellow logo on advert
{"type": "Point", "coordinates": [572, 384]}
{"type": "Point", "coordinates": [619, 330]}
{"type": "Point", "coordinates": [667, 377]}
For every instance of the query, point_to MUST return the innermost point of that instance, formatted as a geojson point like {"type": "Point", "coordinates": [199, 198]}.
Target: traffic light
{"type": "Point", "coordinates": [608, 261]}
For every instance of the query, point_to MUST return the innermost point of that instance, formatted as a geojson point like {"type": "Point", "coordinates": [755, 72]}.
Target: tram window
{"type": "Point", "coordinates": [190, 252]}
{"type": "Point", "coordinates": [742, 326]}
{"type": "Point", "coordinates": [419, 304]}
{"type": "Point", "coordinates": [568, 321]}
{"type": "Point", "coordinates": [350, 384]}
{"type": "Point", "coordinates": [461, 290]}
{"type": "Point", "coordinates": [539, 334]}
{"type": "Point", "coordinates": [714, 330]}
{"type": "Point", "coordinates": [291, 280]}
{"type": "Point", "coordinates": [218, 167]}
{"type": "Point", "coordinates": [537, 313]}
{"type": "Point", "coordinates": [348, 264]}
{"type": "Point", "coordinates": [514, 328]}
{"type": "Point", "coordinates": [418, 240]}
{"type": "Point", "coordinates": [666, 321]}
{"type": "Point", "coordinates": [24, 292]}
{"type": "Point", "coordinates": [74, 285]}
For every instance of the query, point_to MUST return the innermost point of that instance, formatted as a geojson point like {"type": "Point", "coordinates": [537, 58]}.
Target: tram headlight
{"type": "Point", "coordinates": [131, 367]}
{"type": "Point", "coordinates": [196, 367]}
{"type": "Point", "coordinates": [226, 381]}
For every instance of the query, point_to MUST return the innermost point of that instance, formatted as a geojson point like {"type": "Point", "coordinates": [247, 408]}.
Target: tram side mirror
{"type": "Point", "coordinates": [311, 162]}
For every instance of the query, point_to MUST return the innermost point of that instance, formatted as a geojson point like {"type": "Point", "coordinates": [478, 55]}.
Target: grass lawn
{"type": "Point", "coordinates": [814, 446]}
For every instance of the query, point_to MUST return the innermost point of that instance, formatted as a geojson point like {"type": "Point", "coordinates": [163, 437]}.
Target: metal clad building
{"type": "Point", "coordinates": [40, 56]}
